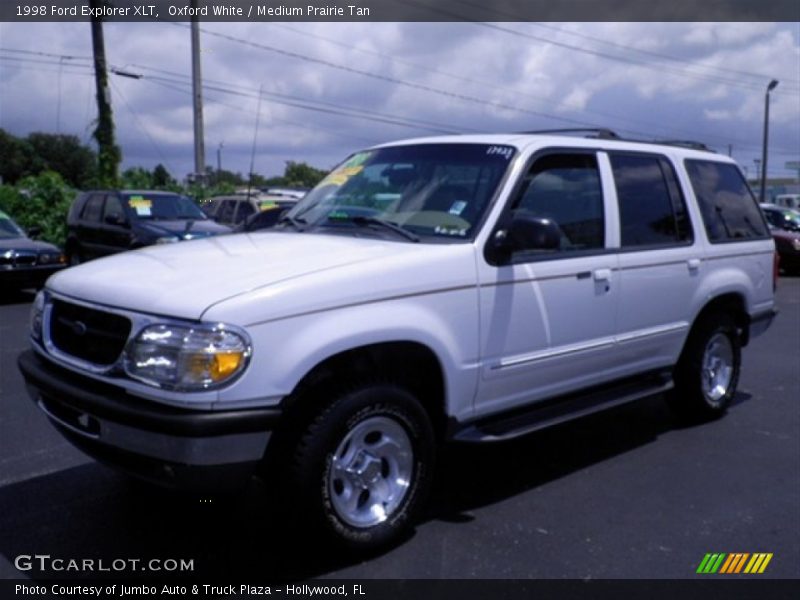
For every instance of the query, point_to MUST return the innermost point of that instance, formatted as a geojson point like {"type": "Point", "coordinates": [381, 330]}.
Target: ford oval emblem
{"type": "Point", "coordinates": [79, 328]}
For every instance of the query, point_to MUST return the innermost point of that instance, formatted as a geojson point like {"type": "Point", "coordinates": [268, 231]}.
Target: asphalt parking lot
{"type": "Point", "coordinates": [624, 494]}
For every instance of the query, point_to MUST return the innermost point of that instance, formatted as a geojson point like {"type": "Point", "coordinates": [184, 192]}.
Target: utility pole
{"type": "Point", "coordinates": [197, 94]}
{"type": "Point", "coordinates": [108, 154]}
{"type": "Point", "coordinates": [763, 191]}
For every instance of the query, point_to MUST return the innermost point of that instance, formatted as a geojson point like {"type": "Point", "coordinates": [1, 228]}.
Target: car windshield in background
{"type": "Point", "coordinates": [162, 206]}
{"type": "Point", "coordinates": [428, 190]}
{"type": "Point", "coordinates": [9, 229]}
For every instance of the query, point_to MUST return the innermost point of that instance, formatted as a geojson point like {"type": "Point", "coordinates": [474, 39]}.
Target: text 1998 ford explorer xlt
{"type": "Point", "coordinates": [469, 288]}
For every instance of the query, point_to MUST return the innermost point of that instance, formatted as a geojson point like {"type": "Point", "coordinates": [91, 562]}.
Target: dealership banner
{"type": "Point", "coordinates": [399, 10]}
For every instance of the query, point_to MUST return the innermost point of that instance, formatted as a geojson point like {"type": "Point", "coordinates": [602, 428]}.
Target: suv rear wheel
{"type": "Point", "coordinates": [708, 371]}
{"type": "Point", "coordinates": [363, 466]}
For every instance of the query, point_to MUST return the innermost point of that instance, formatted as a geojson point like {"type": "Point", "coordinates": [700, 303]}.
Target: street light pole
{"type": "Point", "coordinates": [197, 94]}
{"type": "Point", "coordinates": [219, 161]}
{"type": "Point", "coordinates": [762, 193]}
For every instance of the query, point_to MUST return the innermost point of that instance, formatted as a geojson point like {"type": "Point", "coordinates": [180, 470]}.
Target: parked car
{"type": "Point", "coordinates": [235, 210]}
{"type": "Point", "coordinates": [788, 201]}
{"type": "Point", "coordinates": [269, 214]}
{"type": "Point", "coordinates": [781, 217]}
{"type": "Point", "coordinates": [104, 222]}
{"type": "Point", "coordinates": [467, 288]}
{"type": "Point", "coordinates": [25, 262]}
{"type": "Point", "coordinates": [286, 192]}
{"type": "Point", "coordinates": [787, 243]}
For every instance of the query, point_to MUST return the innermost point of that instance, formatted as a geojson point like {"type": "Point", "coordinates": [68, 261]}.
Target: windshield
{"type": "Point", "coordinates": [162, 206]}
{"type": "Point", "coordinates": [431, 190]}
{"type": "Point", "coordinates": [9, 229]}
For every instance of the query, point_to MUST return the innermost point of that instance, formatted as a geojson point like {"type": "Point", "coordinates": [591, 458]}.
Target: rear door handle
{"type": "Point", "coordinates": [694, 264]}
{"type": "Point", "coordinates": [602, 274]}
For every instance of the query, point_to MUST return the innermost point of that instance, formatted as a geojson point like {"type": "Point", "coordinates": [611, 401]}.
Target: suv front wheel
{"type": "Point", "coordinates": [364, 465]}
{"type": "Point", "coordinates": [708, 371]}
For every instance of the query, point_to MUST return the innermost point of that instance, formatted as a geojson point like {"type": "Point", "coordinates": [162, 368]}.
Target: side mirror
{"type": "Point", "coordinates": [116, 220]}
{"type": "Point", "coordinates": [526, 232]}
{"type": "Point", "coordinates": [34, 232]}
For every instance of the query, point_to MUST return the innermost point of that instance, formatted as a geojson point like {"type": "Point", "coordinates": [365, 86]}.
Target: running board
{"type": "Point", "coordinates": [559, 410]}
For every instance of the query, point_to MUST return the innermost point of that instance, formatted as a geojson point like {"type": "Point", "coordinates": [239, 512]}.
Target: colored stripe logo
{"type": "Point", "coordinates": [737, 562]}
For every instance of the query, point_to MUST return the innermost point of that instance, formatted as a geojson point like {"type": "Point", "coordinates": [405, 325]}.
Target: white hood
{"type": "Point", "coordinates": [186, 278]}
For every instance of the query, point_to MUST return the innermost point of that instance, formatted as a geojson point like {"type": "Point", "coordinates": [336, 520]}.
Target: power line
{"type": "Point", "coordinates": [539, 99]}
{"type": "Point", "coordinates": [316, 127]}
{"type": "Point", "coordinates": [141, 125]}
{"type": "Point", "coordinates": [400, 82]}
{"type": "Point", "coordinates": [626, 48]}
{"type": "Point", "coordinates": [597, 53]}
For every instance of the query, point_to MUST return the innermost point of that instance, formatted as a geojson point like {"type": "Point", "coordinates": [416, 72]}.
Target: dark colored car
{"type": "Point", "coordinates": [25, 262]}
{"type": "Point", "coordinates": [787, 243]}
{"type": "Point", "coordinates": [106, 222]}
{"type": "Point", "coordinates": [781, 217]}
{"type": "Point", "coordinates": [268, 216]}
{"type": "Point", "coordinates": [245, 213]}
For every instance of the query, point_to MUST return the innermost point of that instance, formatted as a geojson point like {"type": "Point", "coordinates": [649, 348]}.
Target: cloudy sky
{"type": "Point", "coordinates": [332, 88]}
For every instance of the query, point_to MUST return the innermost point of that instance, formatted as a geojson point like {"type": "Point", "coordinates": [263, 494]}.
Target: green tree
{"type": "Point", "coordinates": [137, 178]}
{"type": "Point", "coordinates": [42, 201]}
{"type": "Point", "coordinates": [161, 177]}
{"type": "Point", "coordinates": [17, 158]}
{"type": "Point", "coordinates": [300, 174]}
{"type": "Point", "coordinates": [65, 155]}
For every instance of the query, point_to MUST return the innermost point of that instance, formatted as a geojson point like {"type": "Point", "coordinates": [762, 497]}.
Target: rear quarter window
{"type": "Point", "coordinates": [730, 212]}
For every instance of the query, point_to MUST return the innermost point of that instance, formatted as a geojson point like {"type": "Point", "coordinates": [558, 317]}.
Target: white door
{"type": "Point", "coordinates": [548, 318]}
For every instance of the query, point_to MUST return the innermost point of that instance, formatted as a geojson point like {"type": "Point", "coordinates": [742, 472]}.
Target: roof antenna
{"type": "Point", "coordinates": [255, 137]}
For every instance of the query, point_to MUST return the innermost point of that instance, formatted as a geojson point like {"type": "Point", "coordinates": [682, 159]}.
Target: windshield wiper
{"type": "Point", "coordinates": [296, 222]}
{"type": "Point", "coordinates": [366, 220]}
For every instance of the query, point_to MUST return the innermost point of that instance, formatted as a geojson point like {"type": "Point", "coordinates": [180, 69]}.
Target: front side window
{"type": "Point", "coordinates": [649, 214]}
{"type": "Point", "coordinates": [93, 209]}
{"type": "Point", "coordinates": [113, 208]}
{"type": "Point", "coordinates": [433, 192]}
{"type": "Point", "coordinates": [565, 188]}
{"type": "Point", "coordinates": [729, 210]}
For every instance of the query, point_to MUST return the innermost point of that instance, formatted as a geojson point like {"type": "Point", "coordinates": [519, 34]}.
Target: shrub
{"type": "Point", "coordinates": [40, 201]}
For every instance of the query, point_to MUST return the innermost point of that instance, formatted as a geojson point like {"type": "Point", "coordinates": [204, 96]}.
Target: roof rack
{"type": "Point", "coordinates": [684, 144]}
{"type": "Point", "coordinates": [594, 132]}
{"type": "Point", "coordinates": [608, 134]}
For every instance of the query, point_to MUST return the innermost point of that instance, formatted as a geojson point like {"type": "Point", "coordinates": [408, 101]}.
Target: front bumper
{"type": "Point", "coordinates": [23, 276]}
{"type": "Point", "coordinates": [179, 448]}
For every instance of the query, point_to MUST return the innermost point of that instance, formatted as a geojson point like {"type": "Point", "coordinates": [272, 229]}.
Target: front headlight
{"type": "Point", "coordinates": [187, 357]}
{"type": "Point", "coordinates": [51, 258]}
{"type": "Point", "coordinates": [37, 315]}
{"type": "Point", "coordinates": [796, 244]}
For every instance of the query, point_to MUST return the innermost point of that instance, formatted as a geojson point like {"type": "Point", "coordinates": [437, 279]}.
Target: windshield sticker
{"type": "Point", "coordinates": [141, 205]}
{"type": "Point", "coordinates": [269, 205]}
{"type": "Point", "coordinates": [458, 207]}
{"type": "Point", "coordinates": [357, 159]}
{"type": "Point", "coordinates": [341, 175]}
{"type": "Point", "coordinates": [505, 151]}
{"type": "Point", "coordinates": [454, 231]}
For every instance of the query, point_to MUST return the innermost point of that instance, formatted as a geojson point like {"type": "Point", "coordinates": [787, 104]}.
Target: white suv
{"type": "Point", "coordinates": [470, 288]}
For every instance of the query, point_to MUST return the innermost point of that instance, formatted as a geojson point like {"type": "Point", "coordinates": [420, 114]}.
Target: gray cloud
{"type": "Point", "coordinates": [452, 76]}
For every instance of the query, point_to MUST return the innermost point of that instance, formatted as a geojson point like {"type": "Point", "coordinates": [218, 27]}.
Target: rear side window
{"type": "Point", "coordinates": [651, 207]}
{"type": "Point", "coordinates": [93, 208]}
{"type": "Point", "coordinates": [729, 210]}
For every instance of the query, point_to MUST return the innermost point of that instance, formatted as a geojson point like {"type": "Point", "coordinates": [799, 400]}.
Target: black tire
{"type": "Point", "coordinates": [695, 399]}
{"type": "Point", "coordinates": [370, 417]}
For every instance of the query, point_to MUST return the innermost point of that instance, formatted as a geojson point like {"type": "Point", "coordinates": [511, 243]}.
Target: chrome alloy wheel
{"type": "Point", "coordinates": [717, 369]}
{"type": "Point", "coordinates": [371, 471]}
